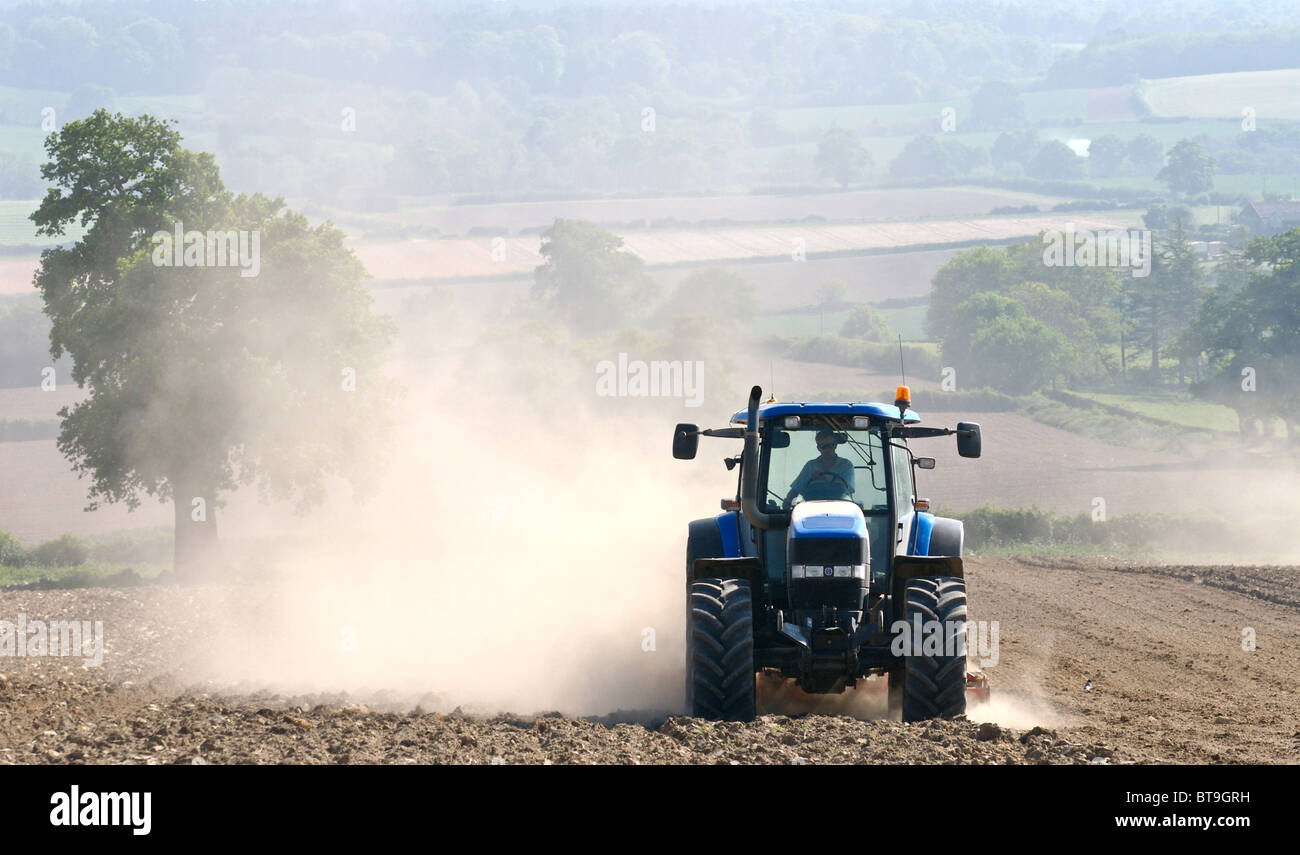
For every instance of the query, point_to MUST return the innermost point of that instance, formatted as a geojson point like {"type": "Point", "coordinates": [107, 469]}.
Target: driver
{"type": "Point", "coordinates": [828, 470]}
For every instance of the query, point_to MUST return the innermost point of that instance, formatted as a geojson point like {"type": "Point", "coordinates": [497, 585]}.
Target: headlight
{"type": "Point", "coordinates": [838, 571]}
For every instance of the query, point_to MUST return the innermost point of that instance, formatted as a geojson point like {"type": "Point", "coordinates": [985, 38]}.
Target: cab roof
{"type": "Point", "coordinates": [777, 409]}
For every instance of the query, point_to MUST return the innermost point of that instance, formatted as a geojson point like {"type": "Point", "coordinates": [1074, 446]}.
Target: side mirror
{"type": "Point", "coordinates": [686, 441]}
{"type": "Point", "coordinates": [925, 463]}
{"type": "Point", "coordinates": [968, 439]}
{"type": "Point", "coordinates": [780, 439]}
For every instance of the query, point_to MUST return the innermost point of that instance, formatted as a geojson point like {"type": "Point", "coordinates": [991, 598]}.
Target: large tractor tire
{"type": "Point", "coordinates": [934, 686]}
{"type": "Point", "coordinates": [719, 650]}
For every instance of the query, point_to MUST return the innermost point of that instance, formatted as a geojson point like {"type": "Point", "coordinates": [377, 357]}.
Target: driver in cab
{"type": "Point", "coordinates": [826, 476]}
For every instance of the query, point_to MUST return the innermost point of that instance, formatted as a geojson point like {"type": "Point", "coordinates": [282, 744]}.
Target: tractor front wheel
{"type": "Point", "coordinates": [934, 677]}
{"type": "Point", "coordinates": [720, 650]}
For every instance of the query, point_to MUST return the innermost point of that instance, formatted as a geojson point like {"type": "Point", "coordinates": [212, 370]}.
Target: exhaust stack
{"type": "Point", "coordinates": [749, 468]}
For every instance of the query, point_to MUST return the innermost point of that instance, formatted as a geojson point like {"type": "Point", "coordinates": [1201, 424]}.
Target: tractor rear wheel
{"type": "Point", "coordinates": [720, 650]}
{"type": "Point", "coordinates": [934, 685]}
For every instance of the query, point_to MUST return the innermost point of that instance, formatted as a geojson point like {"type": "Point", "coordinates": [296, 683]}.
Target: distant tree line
{"type": "Point", "coordinates": [1228, 330]}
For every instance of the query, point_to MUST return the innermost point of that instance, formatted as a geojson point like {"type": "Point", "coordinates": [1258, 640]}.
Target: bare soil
{"type": "Point", "coordinates": [1161, 647]}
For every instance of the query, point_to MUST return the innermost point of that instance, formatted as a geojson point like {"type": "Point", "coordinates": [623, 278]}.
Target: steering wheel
{"type": "Point", "coordinates": [830, 474]}
{"type": "Point", "coordinates": [827, 488]}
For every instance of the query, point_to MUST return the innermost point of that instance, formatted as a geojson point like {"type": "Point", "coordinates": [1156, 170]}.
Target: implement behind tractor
{"type": "Point", "coordinates": [825, 567]}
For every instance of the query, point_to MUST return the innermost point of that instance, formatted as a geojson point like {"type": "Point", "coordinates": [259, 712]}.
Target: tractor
{"type": "Point", "coordinates": [825, 567]}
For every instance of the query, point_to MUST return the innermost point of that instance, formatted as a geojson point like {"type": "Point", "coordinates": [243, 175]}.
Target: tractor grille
{"type": "Point", "coordinates": [843, 594]}
{"type": "Point", "coordinates": [828, 550]}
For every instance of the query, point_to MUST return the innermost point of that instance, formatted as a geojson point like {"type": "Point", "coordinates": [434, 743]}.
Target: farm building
{"type": "Point", "coordinates": [1269, 218]}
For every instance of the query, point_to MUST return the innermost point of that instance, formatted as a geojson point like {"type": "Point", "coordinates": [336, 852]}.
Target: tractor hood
{"type": "Point", "coordinates": [836, 518]}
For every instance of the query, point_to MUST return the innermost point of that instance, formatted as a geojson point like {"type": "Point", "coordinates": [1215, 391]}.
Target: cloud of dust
{"type": "Point", "coordinates": [868, 700]}
{"type": "Point", "coordinates": [524, 551]}
{"type": "Point", "coordinates": [1017, 711]}
{"type": "Point", "coordinates": [1025, 704]}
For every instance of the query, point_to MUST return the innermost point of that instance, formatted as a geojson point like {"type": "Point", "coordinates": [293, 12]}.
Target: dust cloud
{"type": "Point", "coordinates": [1019, 712]}
{"type": "Point", "coordinates": [522, 552]}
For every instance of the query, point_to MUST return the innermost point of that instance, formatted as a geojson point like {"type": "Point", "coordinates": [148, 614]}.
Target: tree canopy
{"type": "Point", "coordinates": [588, 279]}
{"type": "Point", "coordinates": [841, 157]}
{"type": "Point", "coordinates": [1189, 169]}
{"type": "Point", "coordinates": [201, 377]}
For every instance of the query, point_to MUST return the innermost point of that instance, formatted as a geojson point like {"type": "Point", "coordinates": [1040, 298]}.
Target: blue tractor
{"type": "Point", "coordinates": [822, 558]}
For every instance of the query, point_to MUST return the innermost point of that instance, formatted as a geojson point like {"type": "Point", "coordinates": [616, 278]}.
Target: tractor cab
{"type": "Point", "coordinates": [819, 455]}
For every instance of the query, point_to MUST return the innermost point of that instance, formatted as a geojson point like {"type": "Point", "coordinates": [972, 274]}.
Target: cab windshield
{"type": "Point", "coordinates": [823, 463]}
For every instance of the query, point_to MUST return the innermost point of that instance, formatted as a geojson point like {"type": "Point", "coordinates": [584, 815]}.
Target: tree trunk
{"type": "Point", "coordinates": [1155, 350]}
{"type": "Point", "coordinates": [197, 549]}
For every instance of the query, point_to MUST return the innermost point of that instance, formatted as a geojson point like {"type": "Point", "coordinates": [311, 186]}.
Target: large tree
{"type": "Point", "coordinates": [1189, 170]}
{"type": "Point", "coordinates": [589, 280]}
{"type": "Point", "coordinates": [996, 106]}
{"type": "Point", "coordinates": [1106, 156]}
{"type": "Point", "coordinates": [1076, 302]}
{"type": "Point", "coordinates": [226, 369]}
{"type": "Point", "coordinates": [842, 157]}
{"type": "Point", "coordinates": [1166, 301]}
{"type": "Point", "coordinates": [1145, 153]}
{"type": "Point", "coordinates": [1251, 332]}
{"type": "Point", "coordinates": [723, 296]}
{"type": "Point", "coordinates": [1054, 159]}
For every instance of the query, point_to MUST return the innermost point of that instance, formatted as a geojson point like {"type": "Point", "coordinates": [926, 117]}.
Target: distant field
{"type": "Point", "coordinates": [1039, 106]}
{"type": "Point", "coordinates": [908, 322]}
{"type": "Point", "coordinates": [1272, 94]}
{"type": "Point", "coordinates": [1167, 133]}
{"type": "Point", "coordinates": [787, 284]}
{"type": "Point", "coordinates": [901, 204]}
{"type": "Point", "coordinates": [1111, 104]}
{"type": "Point", "coordinates": [27, 141]}
{"type": "Point", "coordinates": [34, 403]}
{"type": "Point", "coordinates": [17, 230]}
{"type": "Point", "coordinates": [461, 258]}
{"type": "Point", "coordinates": [18, 101]}
{"type": "Point", "coordinates": [1180, 409]}
{"type": "Point", "coordinates": [16, 274]}
{"type": "Point", "coordinates": [801, 323]}
{"type": "Point", "coordinates": [179, 107]}
{"type": "Point", "coordinates": [1252, 185]}
{"type": "Point", "coordinates": [21, 133]}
